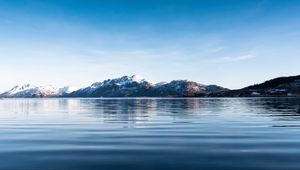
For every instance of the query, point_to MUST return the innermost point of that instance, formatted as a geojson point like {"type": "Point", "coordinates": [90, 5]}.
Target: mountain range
{"type": "Point", "coordinates": [135, 86]}
{"type": "Point", "coordinates": [29, 90]}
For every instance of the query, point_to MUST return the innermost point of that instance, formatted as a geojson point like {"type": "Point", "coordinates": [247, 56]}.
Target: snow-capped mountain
{"type": "Point", "coordinates": [185, 88]}
{"type": "Point", "coordinates": [29, 90]}
{"type": "Point", "coordinates": [119, 87]}
{"type": "Point", "coordinates": [136, 86]}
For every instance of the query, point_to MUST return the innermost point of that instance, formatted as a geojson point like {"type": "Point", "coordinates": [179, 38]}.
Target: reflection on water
{"type": "Point", "coordinates": [150, 133]}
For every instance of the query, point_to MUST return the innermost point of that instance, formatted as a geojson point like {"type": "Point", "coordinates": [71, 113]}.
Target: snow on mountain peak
{"type": "Point", "coordinates": [140, 79]}
{"type": "Point", "coordinates": [137, 78]}
{"type": "Point", "coordinates": [129, 79]}
{"type": "Point", "coordinates": [19, 88]}
{"type": "Point", "coordinates": [119, 81]}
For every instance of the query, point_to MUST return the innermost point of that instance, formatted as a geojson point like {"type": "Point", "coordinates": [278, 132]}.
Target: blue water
{"type": "Point", "coordinates": [149, 133]}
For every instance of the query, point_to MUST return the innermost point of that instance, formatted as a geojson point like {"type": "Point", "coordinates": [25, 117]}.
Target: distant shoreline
{"type": "Point", "coordinates": [133, 86]}
{"type": "Point", "coordinates": [148, 97]}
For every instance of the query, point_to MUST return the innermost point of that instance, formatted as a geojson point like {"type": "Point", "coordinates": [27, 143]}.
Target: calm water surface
{"type": "Point", "coordinates": [234, 133]}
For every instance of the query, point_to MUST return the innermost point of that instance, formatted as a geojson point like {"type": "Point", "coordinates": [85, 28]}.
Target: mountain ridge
{"type": "Point", "coordinates": [131, 86]}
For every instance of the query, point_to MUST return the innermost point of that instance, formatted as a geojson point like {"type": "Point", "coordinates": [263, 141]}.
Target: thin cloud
{"type": "Point", "coordinates": [232, 59]}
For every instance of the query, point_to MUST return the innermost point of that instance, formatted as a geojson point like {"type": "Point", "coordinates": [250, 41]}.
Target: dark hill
{"type": "Point", "coordinates": [282, 86]}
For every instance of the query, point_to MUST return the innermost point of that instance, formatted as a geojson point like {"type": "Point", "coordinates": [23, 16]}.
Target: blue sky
{"type": "Point", "coordinates": [230, 43]}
